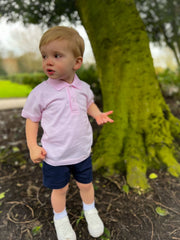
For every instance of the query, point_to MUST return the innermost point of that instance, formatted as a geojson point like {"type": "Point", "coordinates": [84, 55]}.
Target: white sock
{"type": "Point", "coordinates": [87, 207]}
{"type": "Point", "coordinates": [60, 215]}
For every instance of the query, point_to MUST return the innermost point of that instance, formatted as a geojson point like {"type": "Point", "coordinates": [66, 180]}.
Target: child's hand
{"type": "Point", "coordinates": [37, 154]}
{"type": "Point", "coordinates": [103, 118]}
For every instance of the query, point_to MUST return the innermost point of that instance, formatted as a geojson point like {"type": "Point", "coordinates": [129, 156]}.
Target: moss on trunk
{"type": "Point", "coordinates": [142, 135]}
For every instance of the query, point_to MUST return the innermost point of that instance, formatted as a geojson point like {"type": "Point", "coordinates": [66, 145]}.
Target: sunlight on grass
{"type": "Point", "coordinates": [9, 89]}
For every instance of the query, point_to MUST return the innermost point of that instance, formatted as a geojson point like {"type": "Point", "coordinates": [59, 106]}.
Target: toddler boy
{"type": "Point", "coordinates": [62, 105]}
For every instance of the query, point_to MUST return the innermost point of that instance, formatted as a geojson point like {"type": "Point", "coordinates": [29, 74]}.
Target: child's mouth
{"type": "Point", "coordinates": [50, 71]}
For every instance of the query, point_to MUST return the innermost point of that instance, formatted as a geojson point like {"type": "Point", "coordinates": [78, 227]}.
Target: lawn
{"type": "Point", "coordinates": [9, 89]}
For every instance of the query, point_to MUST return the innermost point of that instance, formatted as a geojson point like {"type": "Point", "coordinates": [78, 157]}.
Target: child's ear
{"type": "Point", "coordinates": [78, 63]}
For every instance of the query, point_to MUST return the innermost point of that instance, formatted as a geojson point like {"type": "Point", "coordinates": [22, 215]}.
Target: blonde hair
{"type": "Point", "coordinates": [76, 42]}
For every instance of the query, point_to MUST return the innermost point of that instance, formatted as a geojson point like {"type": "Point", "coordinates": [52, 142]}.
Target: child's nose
{"type": "Point", "coordinates": [49, 61]}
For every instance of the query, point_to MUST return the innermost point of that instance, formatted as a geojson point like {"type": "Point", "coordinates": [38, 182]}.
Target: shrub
{"type": "Point", "coordinates": [31, 79]}
{"type": "Point", "coordinates": [89, 75]}
{"type": "Point", "coordinates": [169, 77]}
{"type": "Point", "coordinates": [169, 82]}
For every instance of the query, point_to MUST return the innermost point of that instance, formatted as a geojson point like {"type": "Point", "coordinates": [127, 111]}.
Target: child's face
{"type": "Point", "coordinates": [58, 61]}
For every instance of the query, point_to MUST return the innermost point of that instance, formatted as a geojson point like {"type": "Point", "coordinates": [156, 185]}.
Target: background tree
{"type": "Point", "coordinates": [143, 133]}
{"type": "Point", "coordinates": [2, 70]}
{"type": "Point", "coordinates": [162, 21]}
{"type": "Point", "coordinates": [29, 63]}
{"type": "Point", "coordinates": [43, 12]}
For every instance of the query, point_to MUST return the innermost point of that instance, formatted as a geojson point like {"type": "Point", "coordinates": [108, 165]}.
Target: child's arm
{"type": "Point", "coordinates": [99, 116]}
{"type": "Point", "coordinates": [37, 153]}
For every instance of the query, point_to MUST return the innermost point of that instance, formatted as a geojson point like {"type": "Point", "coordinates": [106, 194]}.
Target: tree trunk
{"type": "Point", "coordinates": [142, 135]}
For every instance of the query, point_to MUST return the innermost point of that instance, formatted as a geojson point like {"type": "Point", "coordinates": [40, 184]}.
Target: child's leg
{"type": "Point", "coordinates": [58, 199]}
{"type": "Point", "coordinates": [61, 221]}
{"type": "Point", "coordinates": [86, 192]}
{"type": "Point", "coordinates": [83, 174]}
{"type": "Point", "coordinates": [95, 224]}
{"type": "Point", "coordinates": [53, 177]}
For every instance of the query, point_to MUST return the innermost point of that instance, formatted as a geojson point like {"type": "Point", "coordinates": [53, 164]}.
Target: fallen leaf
{"type": "Point", "coordinates": [2, 195]}
{"type": "Point", "coordinates": [125, 188]}
{"type": "Point", "coordinates": [162, 211]}
{"type": "Point", "coordinates": [153, 176]}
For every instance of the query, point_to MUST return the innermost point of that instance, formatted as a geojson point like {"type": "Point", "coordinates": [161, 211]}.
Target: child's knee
{"type": "Point", "coordinates": [85, 186]}
{"type": "Point", "coordinates": [61, 191]}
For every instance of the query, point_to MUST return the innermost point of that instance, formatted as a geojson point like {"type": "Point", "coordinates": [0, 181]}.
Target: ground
{"type": "Point", "coordinates": [25, 210]}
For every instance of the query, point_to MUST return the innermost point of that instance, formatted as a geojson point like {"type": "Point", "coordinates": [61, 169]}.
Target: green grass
{"type": "Point", "coordinates": [9, 89]}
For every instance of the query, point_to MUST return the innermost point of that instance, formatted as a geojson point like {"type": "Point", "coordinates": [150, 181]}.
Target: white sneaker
{"type": "Point", "coordinates": [95, 224]}
{"type": "Point", "coordinates": [64, 229]}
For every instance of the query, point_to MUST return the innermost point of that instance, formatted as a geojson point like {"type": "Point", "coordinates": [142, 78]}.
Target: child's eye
{"type": "Point", "coordinates": [44, 56]}
{"type": "Point", "coordinates": [58, 55]}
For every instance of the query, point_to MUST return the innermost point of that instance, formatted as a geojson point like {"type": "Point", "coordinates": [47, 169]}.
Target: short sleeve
{"type": "Point", "coordinates": [90, 97]}
{"type": "Point", "coordinates": [32, 108]}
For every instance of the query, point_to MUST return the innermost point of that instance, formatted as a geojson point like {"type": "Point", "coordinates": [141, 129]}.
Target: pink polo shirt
{"type": "Point", "coordinates": [62, 109]}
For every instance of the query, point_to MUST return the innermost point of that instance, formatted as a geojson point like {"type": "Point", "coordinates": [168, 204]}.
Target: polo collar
{"type": "Point", "coordinates": [60, 84]}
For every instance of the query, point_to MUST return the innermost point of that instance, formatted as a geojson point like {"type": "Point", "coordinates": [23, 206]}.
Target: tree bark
{"type": "Point", "coordinates": [142, 136]}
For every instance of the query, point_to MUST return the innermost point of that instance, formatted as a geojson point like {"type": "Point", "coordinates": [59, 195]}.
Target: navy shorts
{"type": "Point", "coordinates": [56, 177]}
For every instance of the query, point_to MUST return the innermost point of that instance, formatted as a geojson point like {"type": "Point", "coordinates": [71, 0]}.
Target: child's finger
{"type": "Point", "coordinates": [110, 120]}
{"type": "Point", "coordinates": [43, 152]}
{"type": "Point", "coordinates": [108, 113]}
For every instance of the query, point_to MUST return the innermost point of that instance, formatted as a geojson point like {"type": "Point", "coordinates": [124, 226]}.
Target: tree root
{"type": "Point", "coordinates": [107, 162]}
{"type": "Point", "coordinates": [136, 175]}
{"type": "Point", "coordinates": [175, 126]}
{"type": "Point", "coordinates": [166, 156]}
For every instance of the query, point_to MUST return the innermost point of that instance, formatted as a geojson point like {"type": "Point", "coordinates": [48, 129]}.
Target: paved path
{"type": "Point", "coordinates": [11, 103]}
